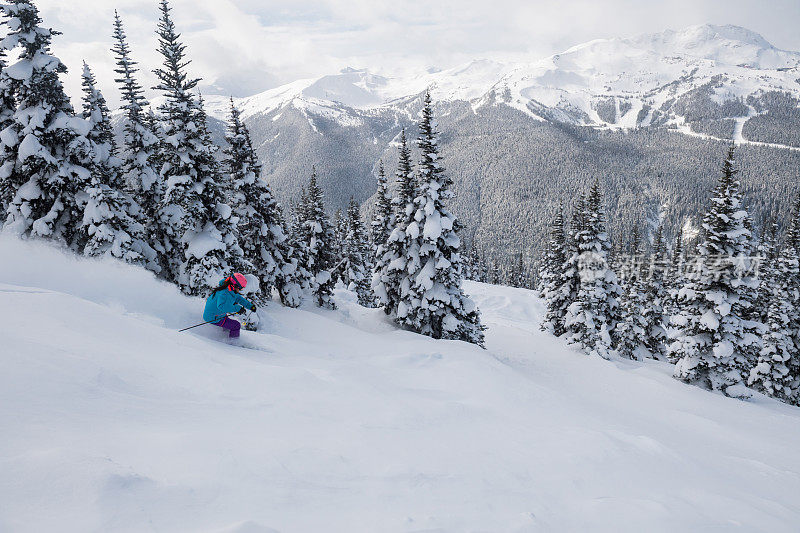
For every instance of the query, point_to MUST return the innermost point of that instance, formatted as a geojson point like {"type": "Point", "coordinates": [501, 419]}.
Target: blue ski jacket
{"type": "Point", "coordinates": [221, 303]}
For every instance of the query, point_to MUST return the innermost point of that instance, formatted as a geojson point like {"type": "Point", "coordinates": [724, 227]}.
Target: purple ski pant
{"type": "Point", "coordinates": [232, 325]}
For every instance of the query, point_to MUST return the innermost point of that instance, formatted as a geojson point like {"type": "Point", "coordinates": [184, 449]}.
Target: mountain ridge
{"type": "Point", "coordinates": [570, 81]}
{"type": "Point", "coordinates": [521, 139]}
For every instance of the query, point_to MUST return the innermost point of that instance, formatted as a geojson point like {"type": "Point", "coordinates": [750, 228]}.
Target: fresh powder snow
{"type": "Point", "coordinates": [337, 421]}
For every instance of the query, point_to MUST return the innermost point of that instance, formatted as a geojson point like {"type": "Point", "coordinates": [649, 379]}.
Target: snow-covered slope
{"type": "Point", "coordinates": [359, 89]}
{"type": "Point", "coordinates": [110, 420]}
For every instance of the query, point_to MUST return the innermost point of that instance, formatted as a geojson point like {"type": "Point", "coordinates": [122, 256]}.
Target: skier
{"type": "Point", "coordinates": [224, 300]}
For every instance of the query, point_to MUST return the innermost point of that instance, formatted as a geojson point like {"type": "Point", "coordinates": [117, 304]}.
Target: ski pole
{"type": "Point", "coordinates": [208, 322]}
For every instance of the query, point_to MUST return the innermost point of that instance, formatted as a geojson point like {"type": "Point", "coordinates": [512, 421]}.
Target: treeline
{"type": "Point", "coordinates": [167, 199]}
{"type": "Point", "coordinates": [724, 306]}
{"type": "Point", "coordinates": [513, 173]}
{"type": "Point", "coordinates": [512, 270]}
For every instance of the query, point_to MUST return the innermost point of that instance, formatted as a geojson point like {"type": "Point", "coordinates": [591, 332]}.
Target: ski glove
{"type": "Point", "coordinates": [241, 311]}
{"type": "Point", "coordinates": [253, 308]}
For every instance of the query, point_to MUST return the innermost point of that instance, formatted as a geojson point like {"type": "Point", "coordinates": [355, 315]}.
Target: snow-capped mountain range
{"type": "Point", "coordinates": [651, 116]}
{"type": "Point", "coordinates": [622, 82]}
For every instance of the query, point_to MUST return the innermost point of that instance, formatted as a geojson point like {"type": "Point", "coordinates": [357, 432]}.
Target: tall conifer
{"type": "Point", "coordinates": [44, 179]}
{"type": "Point", "coordinates": [109, 218]}
{"type": "Point", "coordinates": [432, 301]}
{"type": "Point", "coordinates": [391, 263]}
{"type": "Point", "coordinates": [717, 341]}
{"type": "Point", "coordinates": [594, 312]}
{"type": "Point", "coordinates": [317, 234]}
{"type": "Point", "coordinates": [140, 144]}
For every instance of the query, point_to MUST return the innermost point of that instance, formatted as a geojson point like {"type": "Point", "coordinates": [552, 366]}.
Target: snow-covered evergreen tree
{"type": "Point", "coordinates": [298, 254]}
{"type": "Point", "coordinates": [382, 222]}
{"type": "Point", "coordinates": [555, 287]}
{"type": "Point", "coordinates": [95, 110]}
{"type": "Point", "coordinates": [260, 226]}
{"type": "Point", "coordinates": [139, 157]}
{"type": "Point", "coordinates": [793, 235]}
{"type": "Point", "coordinates": [317, 235]}
{"type": "Point", "coordinates": [674, 283]}
{"type": "Point", "coordinates": [431, 300]}
{"type": "Point", "coordinates": [390, 280]}
{"type": "Point", "coordinates": [571, 280]}
{"type": "Point", "coordinates": [180, 205]}
{"type": "Point", "coordinates": [109, 217]}
{"type": "Point", "coordinates": [7, 108]}
{"type": "Point", "coordinates": [355, 252]}
{"type": "Point", "coordinates": [594, 312]}
{"type": "Point", "coordinates": [43, 142]}
{"type": "Point", "coordinates": [495, 274]}
{"type": "Point", "coordinates": [776, 374]}
{"type": "Point", "coordinates": [632, 330]}
{"type": "Point", "coordinates": [532, 277]}
{"type": "Point", "coordinates": [766, 255]}
{"type": "Point", "coordinates": [152, 123]}
{"type": "Point", "coordinates": [630, 262]}
{"type": "Point", "coordinates": [467, 262]}
{"type": "Point", "coordinates": [294, 278]}
{"type": "Point", "coordinates": [194, 224]}
{"type": "Point", "coordinates": [337, 244]}
{"type": "Point", "coordinates": [717, 340]}
{"type": "Point", "coordinates": [656, 295]}
{"type": "Point", "coordinates": [473, 265]}
{"type": "Point", "coordinates": [482, 269]}
{"type": "Point", "coordinates": [793, 238]}
{"type": "Point", "coordinates": [617, 255]}
{"type": "Point", "coordinates": [768, 248]}
{"type": "Point", "coordinates": [518, 275]}
{"type": "Point", "coordinates": [217, 196]}
{"type": "Point", "coordinates": [339, 222]}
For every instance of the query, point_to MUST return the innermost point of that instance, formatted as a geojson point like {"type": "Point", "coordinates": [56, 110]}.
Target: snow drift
{"type": "Point", "coordinates": [110, 420]}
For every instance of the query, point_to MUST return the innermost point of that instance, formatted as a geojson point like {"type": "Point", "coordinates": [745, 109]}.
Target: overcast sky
{"type": "Point", "coordinates": [247, 46]}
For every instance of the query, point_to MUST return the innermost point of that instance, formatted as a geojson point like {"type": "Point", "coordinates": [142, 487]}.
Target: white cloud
{"type": "Point", "coordinates": [286, 40]}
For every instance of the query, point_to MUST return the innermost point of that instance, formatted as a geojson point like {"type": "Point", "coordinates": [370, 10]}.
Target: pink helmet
{"type": "Point", "coordinates": [236, 281]}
